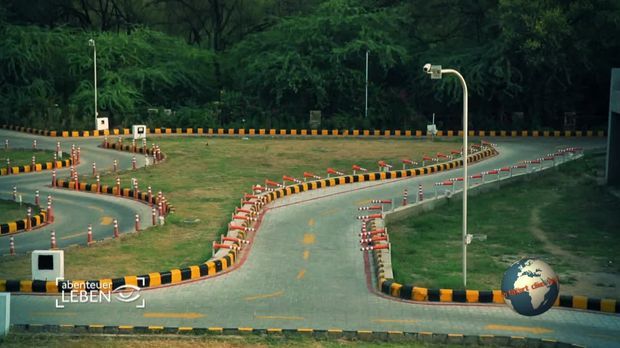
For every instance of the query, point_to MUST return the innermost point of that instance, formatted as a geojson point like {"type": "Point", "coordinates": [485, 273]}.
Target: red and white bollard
{"type": "Point", "coordinates": [408, 162]}
{"type": "Point", "coordinates": [405, 193]}
{"type": "Point", "coordinates": [115, 166]}
{"type": "Point", "coordinates": [375, 247]}
{"type": "Point", "coordinates": [34, 144]}
{"type": "Point", "coordinates": [233, 239]}
{"type": "Point", "coordinates": [420, 193]}
{"type": "Point", "coordinates": [444, 183]}
{"type": "Point", "coordinates": [286, 178]}
{"type": "Point", "coordinates": [120, 142]}
{"type": "Point", "coordinates": [150, 195]}
{"type": "Point", "coordinates": [98, 184]}
{"type": "Point", "coordinates": [14, 193]}
{"type": "Point", "coordinates": [133, 145]}
{"type": "Point", "coordinates": [160, 208]}
{"type": "Point", "coordinates": [115, 228]}
{"type": "Point", "coordinates": [76, 181]}
{"type": "Point", "coordinates": [12, 246]}
{"type": "Point", "coordinates": [333, 171]}
{"type": "Point", "coordinates": [154, 216]}
{"type": "Point", "coordinates": [94, 169]}
{"type": "Point", "coordinates": [426, 158]}
{"type": "Point", "coordinates": [37, 198]}
{"type": "Point", "coordinates": [58, 147]}
{"type": "Point", "coordinates": [384, 166]}
{"type": "Point", "coordinates": [372, 207]}
{"type": "Point", "coordinates": [71, 172]}
{"type": "Point", "coordinates": [53, 240]}
{"type": "Point", "coordinates": [372, 216]}
{"type": "Point", "coordinates": [133, 163]}
{"type": "Point", "coordinates": [137, 223]}
{"type": "Point", "coordinates": [357, 168]}
{"type": "Point", "coordinates": [118, 186]}
{"type": "Point", "coordinates": [33, 164]}
{"type": "Point", "coordinates": [165, 204]}
{"type": "Point", "coordinates": [6, 144]}
{"type": "Point", "coordinates": [441, 155]}
{"type": "Point", "coordinates": [311, 176]}
{"type": "Point", "coordinates": [89, 239]}
{"type": "Point", "coordinates": [106, 144]}
{"type": "Point", "coordinates": [29, 219]}
{"type": "Point", "coordinates": [78, 155]}
{"type": "Point", "coordinates": [136, 192]}
{"type": "Point", "coordinates": [8, 166]}
{"type": "Point", "coordinates": [50, 212]}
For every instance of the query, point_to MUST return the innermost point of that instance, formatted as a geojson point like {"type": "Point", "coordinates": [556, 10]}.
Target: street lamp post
{"type": "Point", "coordinates": [366, 99]}
{"type": "Point", "coordinates": [436, 73]}
{"type": "Point", "coordinates": [91, 43]}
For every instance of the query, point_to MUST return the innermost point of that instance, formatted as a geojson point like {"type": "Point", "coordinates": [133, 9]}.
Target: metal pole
{"type": "Point", "coordinates": [366, 105]}
{"type": "Point", "coordinates": [465, 176]}
{"type": "Point", "coordinates": [95, 77]}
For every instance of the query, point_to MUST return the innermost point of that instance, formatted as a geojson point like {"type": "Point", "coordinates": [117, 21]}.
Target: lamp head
{"type": "Point", "coordinates": [91, 43]}
{"type": "Point", "coordinates": [433, 70]}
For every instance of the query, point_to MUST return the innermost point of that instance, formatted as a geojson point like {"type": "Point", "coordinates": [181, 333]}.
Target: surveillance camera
{"type": "Point", "coordinates": [427, 68]}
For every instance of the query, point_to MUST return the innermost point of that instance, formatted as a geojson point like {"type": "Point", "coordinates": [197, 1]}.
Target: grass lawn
{"type": "Point", "coordinates": [24, 157]}
{"type": "Point", "coordinates": [11, 211]}
{"type": "Point", "coordinates": [562, 216]}
{"type": "Point", "coordinates": [205, 182]}
{"type": "Point", "coordinates": [69, 341]}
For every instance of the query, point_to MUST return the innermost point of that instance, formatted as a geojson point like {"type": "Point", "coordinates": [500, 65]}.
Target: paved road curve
{"type": "Point", "coordinates": [305, 270]}
{"type": "Point", "coordinates": [73, 211]}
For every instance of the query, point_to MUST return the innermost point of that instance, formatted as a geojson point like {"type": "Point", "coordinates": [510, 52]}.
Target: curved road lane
{"type": "Point", "coordinates": [73, 211]}
{"type": "Point", "coordinates": [305, 270]}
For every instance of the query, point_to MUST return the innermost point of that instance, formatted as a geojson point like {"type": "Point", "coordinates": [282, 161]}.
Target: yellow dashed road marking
{"type": "Point", "coordinates": [301, 274]}
{"type": "Point", "coordinates": [306, 254]}
{"type": "Point", "coordinates": [106, 220]}
{"type": "Point", "coordinates": [405, 321]}
{"type": "Point", "coordinates": [281, 317]}
{"type": "Point", "coordinates": [188, 315]}
{"type": "Point", "coordinates": [309, 238]}
{"type": "Point", "coordinates": [72, 235]}
{"type": "Point", "coordinates": [530, 329]}
{"type": "Point", "coordinates": [311, 222]}
{"type": "Point", "coordinates": [257, 297]}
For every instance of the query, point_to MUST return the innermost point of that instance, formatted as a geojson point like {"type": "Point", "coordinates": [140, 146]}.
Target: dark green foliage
{"type": "Point", "coordinates": [267, 63]}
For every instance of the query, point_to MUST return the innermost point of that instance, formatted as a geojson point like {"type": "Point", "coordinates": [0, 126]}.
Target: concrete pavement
{"type": "Point", "coordinates": [305, 270]}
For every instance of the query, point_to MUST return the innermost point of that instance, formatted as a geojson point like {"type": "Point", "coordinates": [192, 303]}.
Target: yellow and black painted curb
{"type": "Point", "coordinates": [173, 276]}
{"type": "Point", "coordinates": [411, 292]}
{"type": "Point", "coordinates": [396, 174]}
{"type": "Point", "coordinates": [129, 148]}
{"type": "Point", "coordinates": [361, 335]}
{"type": "Point", "coordinates": [112, 190]}
{"type": "Point", "coordinates": [212, 267]}
{"type": "Point", "coordinates": [310, 132]}
{"type": "Point", "coordinates": [20, 225]}
{"type": "Point", "coordinates": [28, 168]}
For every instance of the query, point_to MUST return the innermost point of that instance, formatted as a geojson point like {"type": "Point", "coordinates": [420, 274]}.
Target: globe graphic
{"type": "Point", "coordinates": [530, 286]}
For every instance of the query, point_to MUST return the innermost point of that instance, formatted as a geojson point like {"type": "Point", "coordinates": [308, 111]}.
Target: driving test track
{"type": "Point", "coordinates": [304, 269]}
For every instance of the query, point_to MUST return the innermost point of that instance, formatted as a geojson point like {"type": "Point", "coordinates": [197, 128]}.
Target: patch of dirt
{"type": "Point", "coordinates": [592, 283]}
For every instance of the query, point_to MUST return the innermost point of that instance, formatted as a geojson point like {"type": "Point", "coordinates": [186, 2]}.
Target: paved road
{"type": "Point", "coordinates": [305, 270]}
{"type": "Point", "coordinates": [73, 211]}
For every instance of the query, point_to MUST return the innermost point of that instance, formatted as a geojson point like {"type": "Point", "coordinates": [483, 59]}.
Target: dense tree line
{"type": "Point", "coordinates": [267, 63]}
